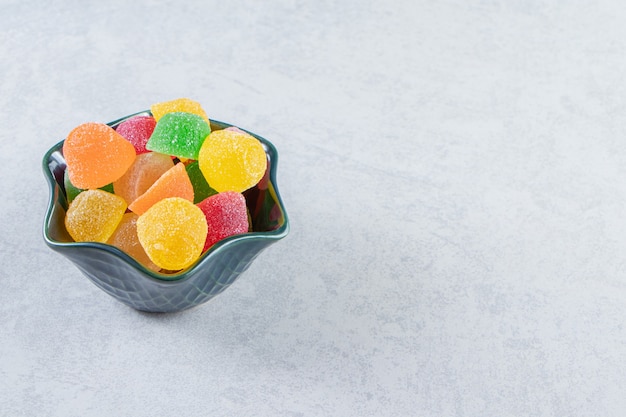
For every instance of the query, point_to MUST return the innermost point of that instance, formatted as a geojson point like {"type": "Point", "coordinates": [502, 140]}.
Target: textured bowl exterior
{"type": "Point", "coordinates": [122, 277]}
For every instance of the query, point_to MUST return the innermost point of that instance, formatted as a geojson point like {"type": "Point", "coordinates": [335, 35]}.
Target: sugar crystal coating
{"type": "Point", "coordinates": [172, 232]}
{"type": "Point", "coordinates": [226, 215]}
{"type": "Point", "coordinates": [173, 183]}
{"type": "Point", "coordinates": [179, 134]}
{"type": "Point", "coordinates": [125, 238]}
{"type": "Point", "coordinates": [94, 215]}
{"type": "Point", "coordinates": [137, 130]}
{"type": "Point", "coordinates": [232, 161]}
{"type": "Point", "coordinates": [144, 172]}
{"type": "Point", "coordinates": [96, 155]}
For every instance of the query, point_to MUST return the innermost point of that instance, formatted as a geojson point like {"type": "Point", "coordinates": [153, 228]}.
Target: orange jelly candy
{"type": "Point", "coordinates": [125, 238]}
{"type": "Point", "coordinates": [173, 183]}
{"type": "Point", "coordinates": [96, 155]}
{"type": "Point", "coordinates": [145, 171]}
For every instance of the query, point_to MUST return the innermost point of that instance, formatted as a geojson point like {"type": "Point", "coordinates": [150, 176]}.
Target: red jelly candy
{"type": "Point", "coordinates": [226, 215]}
{"type": "Point", "coordinates": [137, 131]}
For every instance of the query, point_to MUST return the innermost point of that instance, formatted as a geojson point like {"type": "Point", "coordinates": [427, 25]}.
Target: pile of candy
{"type": "Point", "coordinates": [163, 188]}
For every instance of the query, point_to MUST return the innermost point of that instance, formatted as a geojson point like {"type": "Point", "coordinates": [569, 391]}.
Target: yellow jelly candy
{"type": "Point", "coordinates": [125, 238]}
{"type": "Point", "coordinates": [179, 105]}
{"type": "Point", "coordinates": [172, 232]}
{"type": "Point", "coordinates": [94, 215]}
{"type": "Point", "coordinates": [231, 160]}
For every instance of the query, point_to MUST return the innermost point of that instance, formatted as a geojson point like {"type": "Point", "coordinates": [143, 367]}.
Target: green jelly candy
{"type": "Point", "coordinates": [179, 134]}
{"type": "Point", "coordinates": [72, 191]}
{"type": "Point", "coordinates": [201, 188]}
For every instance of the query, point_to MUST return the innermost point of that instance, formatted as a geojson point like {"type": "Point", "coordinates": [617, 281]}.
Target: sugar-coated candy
{"type": "Point", "coordinates": [201, 188]}
{"type": "Point", "coordinates": [226, 215]}
{"type": "Point", "coordinates": [179, 134]}
{"type": "Point", "coordinates": [94, 215]}
{"type": "Point", "coordinates": [96, 155]}
{"type": "Point", "coordinates": [178, 105]}
{"type": "Point", "coordinates": [137, 130]}
{"type": "Point", "coordinates": [182, 184]}
{"type": "Point", "coordinates": [263, 182]}
{"type": "Point", "coordinates": [145, 171]}
{"type": "Point", "coordinates": [172, 232]}
{"type": "Point", "coordinates": [71, 191]}
{"type": "Point", "coordinates": [232, 161]}
{"type": "Point", "coordinates": [173, 183]}
{"type": "Point", "coordinates": [125, 238]}
{"type": "Point", "coordinates": [234, 129]}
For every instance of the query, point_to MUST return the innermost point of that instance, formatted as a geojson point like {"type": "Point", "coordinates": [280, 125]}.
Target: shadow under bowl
{"type": "Point", "coordinates": [122, 277]}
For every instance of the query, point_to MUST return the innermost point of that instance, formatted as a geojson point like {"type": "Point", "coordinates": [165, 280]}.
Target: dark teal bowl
{"type": "Point", "coordinates": [122, 277]}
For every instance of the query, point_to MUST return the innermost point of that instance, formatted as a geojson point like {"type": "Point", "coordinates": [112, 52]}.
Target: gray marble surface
{"type": "Point", "coordinates": [455, 175]}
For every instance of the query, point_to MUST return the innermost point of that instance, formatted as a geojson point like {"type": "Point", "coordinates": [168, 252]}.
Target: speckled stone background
{"type": "Point", "coordinates": [455, 175]}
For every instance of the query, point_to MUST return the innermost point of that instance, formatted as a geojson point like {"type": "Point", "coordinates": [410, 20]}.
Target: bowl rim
{"type": "Point", "coordinates": [206, 257]}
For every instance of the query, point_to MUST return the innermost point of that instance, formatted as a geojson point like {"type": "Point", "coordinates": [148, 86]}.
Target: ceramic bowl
{"type": "Point", "coordinates": [122, 277]}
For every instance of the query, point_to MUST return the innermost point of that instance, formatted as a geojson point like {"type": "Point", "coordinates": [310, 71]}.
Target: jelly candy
{"type": "Point", "coordinates": [172, 232]}
{"type": "Point", "coordinates": [94, 215]}
{"type": "Point", "coordinates": [71, 191]}
{"type": "Point", "coordinates": [179, 134]}
{"type": "Point", "coordinates": [96, 155]}
{"type": "Point", "coordinates": [144, 172]}
{"type": "Point", "coordinates": [201, 188]}
{"type": "Point", "coordinates": [179, 105]}
{"type": "Point", "coordinates": [232, 161]}
{"type": "Point", "coordinates": [181, 182]}
{"type": "Point", "coordinates": [226, 215]}
{"type": "Point", "coordinates": [235, 129]}
{"type": "Point", "coordinates": [137, 130]}
{"type": "Point", "coordinates": [125, 238]}
{"type": "Point", "coordinates": [173, 183]}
